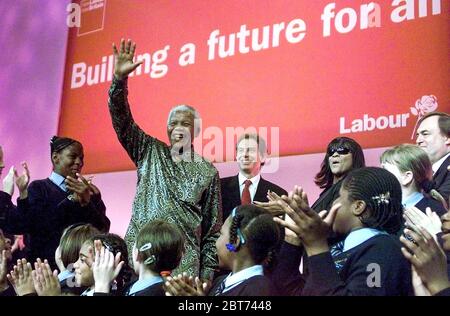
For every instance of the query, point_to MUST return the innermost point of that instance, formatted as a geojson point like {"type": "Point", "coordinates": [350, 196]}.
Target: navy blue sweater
{"type": "Point", "coordinates": [48, 213]}
{"type": "Point", "coordinates": [258, 285]}
{"type": "Point", "coordinates": [375, 267]}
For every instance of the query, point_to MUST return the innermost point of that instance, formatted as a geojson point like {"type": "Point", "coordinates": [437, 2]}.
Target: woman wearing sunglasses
{"type": "Point", "coordinates": [343, 155]}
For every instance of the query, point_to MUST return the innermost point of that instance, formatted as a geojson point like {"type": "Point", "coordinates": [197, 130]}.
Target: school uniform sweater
{"type": "Point", "coordinates": [50, 212]}
{"type": "Point", "coordinates": [375, 267]}
{"type": "Point", "coordinates": [258, 285]}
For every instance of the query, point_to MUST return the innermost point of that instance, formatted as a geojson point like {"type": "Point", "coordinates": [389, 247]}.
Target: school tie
{"type": "Point", "coordinates": [220, 288]}
{"type": "Point", "coordinates": [246, 199]}
{"type": "Point", "coordinates": [336, 250]}
{"type": "Point", "coordinates": [63, 185]}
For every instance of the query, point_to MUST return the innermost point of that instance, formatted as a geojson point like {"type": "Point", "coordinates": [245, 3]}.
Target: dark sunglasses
{"type": "Point", "coordinates": [339, 150]}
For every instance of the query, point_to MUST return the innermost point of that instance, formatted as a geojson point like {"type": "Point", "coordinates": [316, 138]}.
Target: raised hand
{"type": "Point", "coordinates": [415, 218]}
{"type": "Point", "coordinates": [21, 279]}
{"type": "Point", "coordinates": [298, 196]}
{"type": "Point", "coordinates": [45, 282]}
{"type": "Point", "coordinates": [23, 180]}
{"type": "Point", "coordinates": [106, 268]}
{"type": "Point", "coordinates": [310, 227]}
{"type": "Point", "coordinates": [290, 236]}
{"type": "Point", "coordinates": [428, 259]}
{"type": "Point", "coordinates": [419, 287]}
{"type": "Point", "coordinates": [123, 59]}
{"type": "Point", "coordinates": [272, 205]}
{"type": "Point", "coordinates": [183, 285]}
{"type": "Point", "coordinates": [8, 181]}
{"type": "Point", "coordinates": [80, 188]}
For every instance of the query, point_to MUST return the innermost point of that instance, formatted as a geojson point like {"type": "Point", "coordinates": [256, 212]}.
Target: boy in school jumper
{"type": "Point", "coordinates": [369, 260]}
{"type": "Point", "coordinates": [248, 241]}
{"type": "Point", "coordinates": [412, 168]}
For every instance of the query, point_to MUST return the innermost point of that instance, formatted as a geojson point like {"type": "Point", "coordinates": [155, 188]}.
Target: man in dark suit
{"type": "Point", "coordinates": [433, 136]}
{"type": "Point", "coordinates": [248, 185]}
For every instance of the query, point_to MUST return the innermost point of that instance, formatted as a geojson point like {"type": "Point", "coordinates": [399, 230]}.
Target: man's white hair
{"type": "Point", "coordinates": [183, 108]}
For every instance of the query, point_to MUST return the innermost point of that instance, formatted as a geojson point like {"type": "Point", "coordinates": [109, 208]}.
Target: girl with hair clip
{"type": "Point", "coordinates": [109, 250]}
{"type": "Point", "coordinates": [247, 244]}
{"type": "Point", "coordinates": [158, 250]}
{"type": "Point", "coordinates": [412, 168]}
{"type": "Point", "coordinates": [366, 213]}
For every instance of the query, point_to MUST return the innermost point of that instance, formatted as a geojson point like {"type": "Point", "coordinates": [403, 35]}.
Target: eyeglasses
{"type": "Point", "coordinates": [339, 150]}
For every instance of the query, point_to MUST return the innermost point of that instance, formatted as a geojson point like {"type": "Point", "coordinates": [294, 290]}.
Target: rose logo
{"type": "Point", "coordinates": [424, 105]}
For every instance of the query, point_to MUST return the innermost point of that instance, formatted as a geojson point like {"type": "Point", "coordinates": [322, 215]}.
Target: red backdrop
{"type": "Point", "coordinates": [312, 90]}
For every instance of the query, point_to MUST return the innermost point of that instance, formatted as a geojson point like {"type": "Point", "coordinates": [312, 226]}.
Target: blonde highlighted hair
{"type": "Point", "coordinates": [408, 157]}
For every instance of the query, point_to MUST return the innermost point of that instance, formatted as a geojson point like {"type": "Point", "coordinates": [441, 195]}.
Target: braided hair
{"type": "Point", "coordinates": [260, 233]}
{"type": "Point", "coordinates": [57, 144]}
{"type": "Point", "coordinates": [381, 192]}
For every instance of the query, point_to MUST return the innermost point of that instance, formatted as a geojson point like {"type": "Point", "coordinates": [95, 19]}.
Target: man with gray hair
{"type": "Point", "coordinates": [174, 183]}
{"type": "Point", "coordinates": [433, 136]}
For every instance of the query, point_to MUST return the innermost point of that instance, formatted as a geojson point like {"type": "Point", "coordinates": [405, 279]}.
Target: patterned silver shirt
{"type": "Point", "coordinates": [185, 193]}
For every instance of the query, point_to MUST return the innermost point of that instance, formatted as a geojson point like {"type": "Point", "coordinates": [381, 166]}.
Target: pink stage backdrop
{"type": "Point", "coordinates": [33, 38]}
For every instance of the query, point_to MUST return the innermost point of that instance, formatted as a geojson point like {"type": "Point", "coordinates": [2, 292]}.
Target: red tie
{"type": "Point", "coordinates": [246, 199]}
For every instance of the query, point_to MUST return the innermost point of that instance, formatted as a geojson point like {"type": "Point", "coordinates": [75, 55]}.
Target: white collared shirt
{"type": "Point", "coordinates": [65, 275]}
{"type": "Point", "coordinates": [412, 200]}
{"type": "Point", "coordinates": [252, 188]}
{"type": "Point", "coordinates": [233, 280]}
{"type": "Point", "coordinates": [439, 163]}
{"type": "Point", "coordinates": [59, 180]}
{"type": "Point", "coordinates": [140, 285]}
{"type": "Point", "coordinates": [357, 237]}
{"type": "Point", "coordinates": [88, 292]}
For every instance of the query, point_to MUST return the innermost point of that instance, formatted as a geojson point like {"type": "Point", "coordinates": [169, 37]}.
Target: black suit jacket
{"type": "Point", "coordinates": [441, 179]}
{"type": "Point", "coordinates": [231, 196]}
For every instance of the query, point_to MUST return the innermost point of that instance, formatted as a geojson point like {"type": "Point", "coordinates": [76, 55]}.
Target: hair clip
{"type": "Point", "coordinates": [241, 236]}
{"type": "Point", "coordinates": [107, 247]}
{"type": "Point", "coordinates": [231, 247]}
{"type": "Point", "coordinates": [382, 198]}
{"type": "Point", "coordinates": [150, 260]}
{"type": "Point", "coordinates": [145, 247]}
